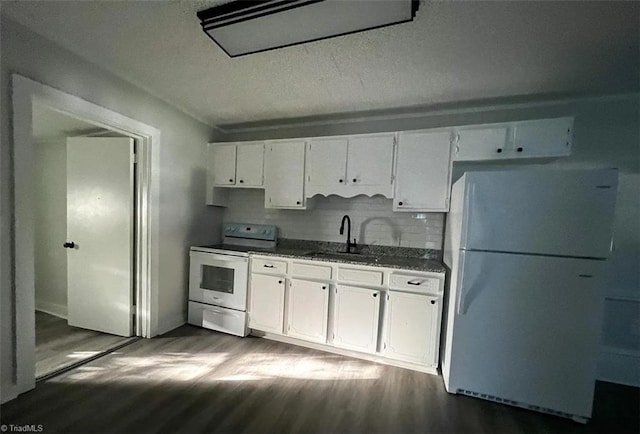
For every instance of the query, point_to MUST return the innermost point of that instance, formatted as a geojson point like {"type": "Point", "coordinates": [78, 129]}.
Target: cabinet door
{"type": "Point", "coordinates": [543, 138]}
{"type": "Point", "coordinates": [266, 306]}
{"type": "Point", "coordinates": [356, 318]}
{"type": "Point", "coordinates": [284, 174]}
{"type": "Point", "coordinates": [326, 165]}
{"type": "Point", "coordinates": [308, 310]}
{"type": "Point", "coordinates": [223, 163]}
{"type": "Point", "coordinates": [423, 172]}
{"type": "Point", "coordinates": [412, 328]}
{"type": "Point", "coordinates": [370, 160]}
{"type": "Point", "coordinates": [482, 144]}
{"type": "Point", "coordinates": [249, 165]}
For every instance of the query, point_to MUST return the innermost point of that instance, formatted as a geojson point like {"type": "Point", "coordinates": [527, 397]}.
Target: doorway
{"type": "Point", "coordinates": [81, 285]}
{"type": "Point", "coordinates": [26, 93]}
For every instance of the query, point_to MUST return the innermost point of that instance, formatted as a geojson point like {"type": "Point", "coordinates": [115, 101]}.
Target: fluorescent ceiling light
{"type": "Point", "coordinates": [244, 27]}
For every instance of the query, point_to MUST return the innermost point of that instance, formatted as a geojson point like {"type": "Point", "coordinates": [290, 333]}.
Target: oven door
{"type": "Point", "coordinates": [218, 279]}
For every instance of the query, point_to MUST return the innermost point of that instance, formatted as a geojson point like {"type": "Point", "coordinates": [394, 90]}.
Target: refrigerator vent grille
{"type": "Point", "coordinates": [515, 403]}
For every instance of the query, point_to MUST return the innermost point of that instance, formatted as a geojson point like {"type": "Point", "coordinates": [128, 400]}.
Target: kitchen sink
{"type": "Point", "coordinates": [342, 256]}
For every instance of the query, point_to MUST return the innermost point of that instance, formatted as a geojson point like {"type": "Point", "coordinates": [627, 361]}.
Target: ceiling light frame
{"type": "Point", "coordinates": [264, 23]}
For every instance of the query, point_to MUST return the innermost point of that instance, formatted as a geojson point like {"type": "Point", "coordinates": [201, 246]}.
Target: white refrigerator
{"type": "Point", "coordinates": [527, 252]}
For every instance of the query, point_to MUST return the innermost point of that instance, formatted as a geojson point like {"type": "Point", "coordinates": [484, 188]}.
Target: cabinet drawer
{"type": "Point", "coordinates": [366, 277]}
{"type": "Point", "coordinates": [268, 266]}
{"type": "Point", "coordinates": [311, 271]}
{"type": "Point", "coordinates": [417, 284]}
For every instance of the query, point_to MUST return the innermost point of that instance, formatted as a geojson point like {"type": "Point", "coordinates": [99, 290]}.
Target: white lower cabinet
{"type": "Point", "coordinates": [308, 310]}
{"type": "Point", "coordinates": [412, 327]}
{"type": "Point", "coordinates": [356, 318]}
{"type": "Point", "coordinates": [266, 303]}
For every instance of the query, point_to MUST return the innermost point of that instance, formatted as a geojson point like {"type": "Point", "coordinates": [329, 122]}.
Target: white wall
{"type": "Point", "coordinates": [372, 220]}
{"type": "Point", "coordinates": [50, 219]}
{"type": "Point", "coordinates": [184, 219]}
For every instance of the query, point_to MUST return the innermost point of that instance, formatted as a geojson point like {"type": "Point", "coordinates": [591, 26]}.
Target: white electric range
{"type": "Point", "coordinates": [218, 277]}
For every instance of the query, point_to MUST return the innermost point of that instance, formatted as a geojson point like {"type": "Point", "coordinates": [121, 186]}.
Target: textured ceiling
{"type": "Point", "coordinates": [453, 51]}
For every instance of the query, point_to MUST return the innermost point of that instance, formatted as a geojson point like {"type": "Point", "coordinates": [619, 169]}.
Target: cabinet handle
{"type": "Point", "coordinates": [241, 181]}
{"type": "Point", "coordinates": [433, 302]}
{"type": "Point", "coordinates": [230, 180]}
{"type": "Point", "coordinates": [297, 202]}
{"type": "Point", "coordinates": [268, 266]}
{"type": "Point", "coordinates": [400, 203]}
{"type": "Point", "coordinates": [520, 149]}
{"type": "Point", "coordinates": [499, 150]}
{"type": "Point", "coordinates": [69, 245]}
{"type": "Point", "coordinates": [355, 180]}
{"type": "Point", "coordinates": [324, 287]}
{"type": "Point", "coordinates": [414, 282]}
{"type": "Point", "coordinates": [340, 180]}
{"type": "Point", "coordinates": [375, 294]}
{"type": "Point", "coordinates": [280, 281]}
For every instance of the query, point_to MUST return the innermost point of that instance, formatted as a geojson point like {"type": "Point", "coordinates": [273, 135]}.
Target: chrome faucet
{"type": "Point", "coordinates": [349, 245]}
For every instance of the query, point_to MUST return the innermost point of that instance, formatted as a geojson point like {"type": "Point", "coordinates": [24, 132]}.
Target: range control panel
{"type": "Point", "coordinates": [250, 231]}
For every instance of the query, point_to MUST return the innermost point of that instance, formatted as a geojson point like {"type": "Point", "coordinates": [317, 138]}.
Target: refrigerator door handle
{"type": "Point", "coordinates": [461, 291]}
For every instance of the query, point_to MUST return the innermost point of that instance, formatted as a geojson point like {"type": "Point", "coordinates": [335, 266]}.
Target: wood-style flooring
{"type": "Point", "coordinates": [59, 345]}
{"type": "Point", "coordinates": [194, 380]}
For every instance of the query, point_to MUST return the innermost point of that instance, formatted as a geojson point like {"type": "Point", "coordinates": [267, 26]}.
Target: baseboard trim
{"type": "Point", "coordinates": [54, 309]}
{"type": "Point", "coordinates": [344, 352]}
{"type": "Point", "coordinates": [166, 325]}
{"type": "Point", "coordinates": [620, 366]}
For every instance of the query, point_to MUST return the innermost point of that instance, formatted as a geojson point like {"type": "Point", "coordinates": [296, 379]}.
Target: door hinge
{"type": "Point", "coordinates": [134, 158]}
{"type": "Point", "coordinates": [387, 296]}
{"type": "Point", "coordinates": [385, 345]}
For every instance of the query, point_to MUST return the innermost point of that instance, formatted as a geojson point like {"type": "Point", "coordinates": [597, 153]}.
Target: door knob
{"type": "Point", "coordinates": [69, 245]}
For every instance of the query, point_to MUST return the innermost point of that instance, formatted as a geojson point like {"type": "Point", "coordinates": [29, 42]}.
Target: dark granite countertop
{"type": "Point", "coordinates": [405, 258]}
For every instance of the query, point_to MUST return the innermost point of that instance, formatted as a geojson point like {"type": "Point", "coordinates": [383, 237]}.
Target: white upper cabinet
{"type": "Point", "coordinates": [237, 164]}
{"type": "Point", "coordinates": [326, 165]}
{"type": "Point", "coordinates": [249, 165]}
{"type": "Point", "coordinates": [423, 171]}
{"type": "Point", "coordinates": [284, 174]}
{"type": "Point", "coordinates": [352, 165]}
{"type": "Point", "coordinates": [543, 138]}
{"type": "Point", "coordinates": [481, 144]}
{"type": "Point", "coordinates": [222, 161]}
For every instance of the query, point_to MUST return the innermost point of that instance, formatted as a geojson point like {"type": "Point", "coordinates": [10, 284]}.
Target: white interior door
{"type": "Point", "coordinates": [100, 211]}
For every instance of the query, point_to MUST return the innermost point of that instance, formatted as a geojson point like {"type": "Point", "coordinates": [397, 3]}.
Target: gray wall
{"type": "Point", "coordinates": [606, 134]}
{"type": "Point", "coordinates": [184, 219]}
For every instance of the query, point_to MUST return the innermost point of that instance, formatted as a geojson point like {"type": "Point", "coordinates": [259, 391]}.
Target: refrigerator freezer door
{"type": "Point", "coordinates": [549, 212]}
{"type": "Point", "coordinates": [526, 329]}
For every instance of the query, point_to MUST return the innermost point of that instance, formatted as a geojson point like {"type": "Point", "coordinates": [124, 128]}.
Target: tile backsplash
{"type": "Point", "coordinates": [372, 220]}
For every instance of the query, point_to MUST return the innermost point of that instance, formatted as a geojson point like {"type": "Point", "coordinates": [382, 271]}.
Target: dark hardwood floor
{"type": "Point", "coordinates": [198, 381]}
{"type": "Point", "coordinates": [59, 345]}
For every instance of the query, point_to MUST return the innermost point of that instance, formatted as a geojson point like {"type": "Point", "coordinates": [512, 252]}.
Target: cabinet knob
{"type": "Point", "coordinates": [375, 294]}
{"type": "Point", "coordinates": [355, 180]}
{"type": "Point", "coordinates": [520, 149]}
{"type": "Point", "coordinates": [279, 281]}
{"type": "Point", "coordinates": [433, 302]}
{"type": "Point", "coordinates": [297, 202]}
{"type": "Point", "coordinates": [69, 245]}
{"type": "Point", "coordinates": [230, 180]}
{"type": "Point", "coordinates": [400, 203]}
{"type": "Point", "coordinates": [324, 287]}
{"type": "Point", "coordinates": [340, 180]}
{"type": "Point", "coordinates": [499, 150]}
{"type": "Point", "coordinates": [241, 181]}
